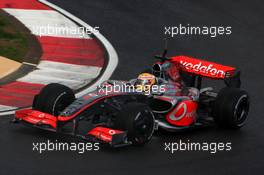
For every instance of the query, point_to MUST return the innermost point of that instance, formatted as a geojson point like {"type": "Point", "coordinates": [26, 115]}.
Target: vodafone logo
{"type": "Point", "coordinates": [206, 69]}
{"type": "Point", "coordinates": [179, 107]}
{"type": "Point", "coordinates": [41, 115]}
{"type": "Point", "coordinates": [111, 132]}
{"type": "Point", "coordinates": [174, 116]}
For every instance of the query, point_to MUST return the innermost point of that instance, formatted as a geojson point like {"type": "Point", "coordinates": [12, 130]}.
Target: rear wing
{"type": "Point", "coordinates": [204, 68]}
{"type": "Point", "coordinates": [201, 68]}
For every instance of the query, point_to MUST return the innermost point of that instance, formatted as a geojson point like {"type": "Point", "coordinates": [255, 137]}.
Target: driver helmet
{"type": "Point", "coordinates": [145, 81]}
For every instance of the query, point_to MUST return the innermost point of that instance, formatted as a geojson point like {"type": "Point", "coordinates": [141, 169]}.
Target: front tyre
{"type": "Point", "coordinates": [138, 120]}
{"type": "Point", "coordinates": [231, 108]}
{"type": "Point", "coordinates": [53, 99]}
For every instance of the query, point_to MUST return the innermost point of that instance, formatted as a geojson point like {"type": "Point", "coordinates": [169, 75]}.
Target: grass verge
{"type": "Point", "coordinates": [13, 43]}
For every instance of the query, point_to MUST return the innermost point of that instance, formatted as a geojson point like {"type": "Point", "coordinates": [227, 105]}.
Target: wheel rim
{"type": "Point", "coordinates": [144, 126]}
{"type": "Point", "coordinates": [241, 109]}
{"type": "Point", "coordinates": [60, 104]}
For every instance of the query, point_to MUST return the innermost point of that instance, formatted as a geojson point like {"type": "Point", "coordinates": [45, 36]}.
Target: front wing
{"type": "Point", "coordinates": [37, 119]}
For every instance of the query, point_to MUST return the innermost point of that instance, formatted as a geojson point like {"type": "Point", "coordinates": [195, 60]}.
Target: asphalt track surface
{"type": "Point", "coordinates": [135, 28]}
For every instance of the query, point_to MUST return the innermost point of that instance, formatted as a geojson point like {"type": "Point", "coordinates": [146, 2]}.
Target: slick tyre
{"type": "Point", "coordinates": [53, 99]}
{"type": "Point", "coordinates": [138, 120]}
{"type": "Point", "coordinates": [231, 108]}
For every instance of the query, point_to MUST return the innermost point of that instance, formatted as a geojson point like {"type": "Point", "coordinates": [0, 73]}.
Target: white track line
{"type": "Point", "coordinates": [88, 70]}
{"type": "Point", "coordinates": [43, 79]}
{"type": "Point", "coordinates": [6, 108]}
{"type": "Point", "coordinates": [74, 76]}
{"type": "Point", "coordinates": [30, 64]}
{"type": "Point", "coordinates": [63, 75]}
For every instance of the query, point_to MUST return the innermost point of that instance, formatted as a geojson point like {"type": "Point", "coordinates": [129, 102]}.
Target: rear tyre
{"type": "Point", "coordinates": [53, 99]}
{"type": "Point", "coordinates": [138, 120]}
{"type": "Point", "coordinates": [231, 108]}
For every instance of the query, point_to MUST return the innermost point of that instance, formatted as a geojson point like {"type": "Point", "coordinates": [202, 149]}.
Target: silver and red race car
{"type": "Point", "coordinates": [129, 115]}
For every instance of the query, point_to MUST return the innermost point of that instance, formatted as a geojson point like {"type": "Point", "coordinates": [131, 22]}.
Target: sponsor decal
{"type": "Point", "coordinates": [41, 115]}
{"type": "Point", "coordinates": [182, 106]}
{"type": "Point", "coordinates": [209, 69]}
{"type": "Point", "coordinates": [179, 107]}
{"type": "Point", "coordinates": [112, 132]}
{"type": "Point", "coordinates": [147, 76]}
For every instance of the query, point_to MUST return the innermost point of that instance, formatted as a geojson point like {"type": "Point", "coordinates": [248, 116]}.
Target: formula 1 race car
{"type": "Point", "coordinates": [124, 116]}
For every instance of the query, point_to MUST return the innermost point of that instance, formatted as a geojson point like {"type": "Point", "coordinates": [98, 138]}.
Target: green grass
{"type": "Point", "coordinates": [13, 43]}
